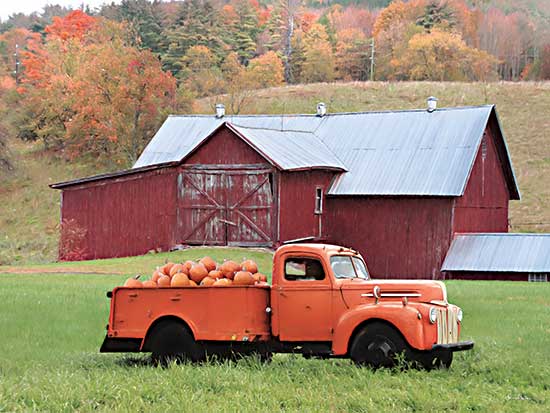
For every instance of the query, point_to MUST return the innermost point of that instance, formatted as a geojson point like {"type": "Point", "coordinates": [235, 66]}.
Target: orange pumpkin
{"type": "Point", "coordinates": [243, 278]}
{"type": "Point", "coordinates": [179, 280]}
{"type": "Point", "coordinates": [175, 269]}
{"type": "Point", "coordinates": [229, 268]}
{"type": "Point", "coordinates": [156, 275]}
{"type": "Point", "coordinates": [250, 266]}
{"type": "Point", "coordinates": [260, 277]}
{"type": "Point", "coordinates": [164, 281]}
{"type": "Point", "coordinates": [208, 263]}
{"type": "Point", "coordinates": [207, 281]}
{"type": "Point", "coordinates": [222, 282]}
{"type": "Point", "coordinates": [133, 282]}
{"type": "Point", "coordinates": [166, 268]}
{"type": "Point", "coordinates": [192, 283]}
{"type": "Point", "coordinates": [215, 274]}
{"type": "Point", "coordinates": [198, 272]}
{"type": "Point", "coordinates": [187, 266]}
{"type": "Point", "coordinates": [149, 284]}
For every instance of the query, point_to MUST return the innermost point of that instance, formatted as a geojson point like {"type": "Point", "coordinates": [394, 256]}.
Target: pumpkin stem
{"type": "Point", "coordinates": [136, 277]}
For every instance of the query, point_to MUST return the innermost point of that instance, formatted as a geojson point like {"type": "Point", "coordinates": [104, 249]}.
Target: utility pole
{"type": "Point", "coordinates": [372, 60]}
{"type": "Point", "coordinates": [16, 71]}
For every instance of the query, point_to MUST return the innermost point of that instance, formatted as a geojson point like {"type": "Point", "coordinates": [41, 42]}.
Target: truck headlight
{"type": "Point", "coordinates": [459, 315]}
{"type": "Point", "coordinates": [433, 315]}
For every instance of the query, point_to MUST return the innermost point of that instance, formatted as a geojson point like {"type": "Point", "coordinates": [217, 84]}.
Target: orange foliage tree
{"type": "Point", "coordinates": [266, 70]}
{"type": "Point", "coordinates": [352, 54]}
{"type": "Point", "coordinates": [318, 63]}
{"type": "Point", "coordinates": [91, 91]}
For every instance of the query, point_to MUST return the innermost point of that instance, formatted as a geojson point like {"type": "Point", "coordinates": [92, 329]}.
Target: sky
{"type": "Point", "coordinates": [8, 7]}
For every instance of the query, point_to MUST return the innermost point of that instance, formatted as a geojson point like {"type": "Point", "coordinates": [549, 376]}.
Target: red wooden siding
{"type": "Point", "coordinates": [125, 216]}
{"type": "Point", "coordinates": [224, 148]}
{"type": "Point", "coordinates": [297, 204]}
{"type": "Point", "coordinates": [493, 276]}
{"type": "Point", "coordinates": [484, 205]}
{"type": "Point", "coordinates": [399, 237]}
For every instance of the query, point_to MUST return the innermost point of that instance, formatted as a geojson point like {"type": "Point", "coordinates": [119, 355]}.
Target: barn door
{"type": "Point", "coordinates": [230, 206]}
{"type": "Point", "coordinates": [250, 208]}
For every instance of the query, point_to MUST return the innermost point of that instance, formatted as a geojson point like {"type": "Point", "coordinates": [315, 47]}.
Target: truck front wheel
{"type": "Point", "coordinates": [171, 340]}
{"type": "Point", "coordinates": [377, 345]}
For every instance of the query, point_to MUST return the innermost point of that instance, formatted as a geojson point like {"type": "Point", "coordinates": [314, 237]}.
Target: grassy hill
{"type": "Point", "coordinates": [29, 210]}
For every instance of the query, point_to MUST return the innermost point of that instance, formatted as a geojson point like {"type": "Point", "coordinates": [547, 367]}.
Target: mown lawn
{"type": "Point", "coordinates": [53, 324]}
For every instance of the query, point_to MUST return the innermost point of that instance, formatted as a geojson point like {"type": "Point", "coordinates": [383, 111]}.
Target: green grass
{"type": "Point", "coordinates": [52, 327]}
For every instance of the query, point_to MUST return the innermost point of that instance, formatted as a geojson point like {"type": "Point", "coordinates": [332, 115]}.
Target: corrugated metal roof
{"type": "Point", "coordinates": [386, 153]}
{"type": "Point", "coordinates": [499, 252]}
{"type": "Point", "coordinates": [290, 150]}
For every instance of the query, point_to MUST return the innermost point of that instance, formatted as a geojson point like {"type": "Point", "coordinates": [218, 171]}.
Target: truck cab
{"type": "Point", "coordinates": [322, 302]}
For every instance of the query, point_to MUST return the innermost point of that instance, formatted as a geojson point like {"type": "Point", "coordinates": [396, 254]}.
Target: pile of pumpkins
{"type": "Point", "coordinates": [205, 272]}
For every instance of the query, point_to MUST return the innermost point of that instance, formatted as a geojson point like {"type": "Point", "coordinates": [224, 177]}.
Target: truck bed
{"type": "Point", "coordinates": [236, 313]}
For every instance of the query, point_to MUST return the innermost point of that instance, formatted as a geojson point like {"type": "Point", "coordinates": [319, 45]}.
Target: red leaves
{"type": "Point", "coordinates": [74, 25]}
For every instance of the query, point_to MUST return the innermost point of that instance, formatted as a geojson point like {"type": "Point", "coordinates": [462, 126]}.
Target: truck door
{"type": "Point", "coordinates": [304, 300]}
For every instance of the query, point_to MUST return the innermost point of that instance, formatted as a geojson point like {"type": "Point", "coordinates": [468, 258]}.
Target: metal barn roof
{"type": "Point", "coordinates": [385, 153]}
{"type": "Point", "coordinates": [499, 252]}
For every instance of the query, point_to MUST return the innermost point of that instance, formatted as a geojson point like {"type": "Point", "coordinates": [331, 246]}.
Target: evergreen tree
{"type": "Point", "coordinates": [436, 13]}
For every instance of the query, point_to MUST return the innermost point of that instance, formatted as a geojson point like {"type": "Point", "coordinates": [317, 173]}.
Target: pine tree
{"type": "Point", "coordinates": [436, 13]}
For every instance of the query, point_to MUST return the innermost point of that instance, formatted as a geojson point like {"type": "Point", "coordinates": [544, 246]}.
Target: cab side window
{"type": "Point", "coordinates": [304, 269]}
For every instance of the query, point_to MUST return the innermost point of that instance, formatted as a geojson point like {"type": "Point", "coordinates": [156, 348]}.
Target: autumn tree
{"type": "Point", "coordinates": [238, 85]}
{"type": "Point", "coordinates": [200, 72]}
{"type": "Point", "coordinates": [441, 56]}
{"type": "Point", "coordinates": [266, 70]}
{"type": "Point", "coordinates": [318, 63]}
{"type": "Point", "coordinates": [352, 55]}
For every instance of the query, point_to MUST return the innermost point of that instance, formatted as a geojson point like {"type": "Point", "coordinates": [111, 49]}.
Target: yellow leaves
{"type": "Point", "coordinates": [267, 70]}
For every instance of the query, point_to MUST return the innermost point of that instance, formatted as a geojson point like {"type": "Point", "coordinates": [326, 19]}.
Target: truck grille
{"type": "Point", "coordinates": [447, 326]}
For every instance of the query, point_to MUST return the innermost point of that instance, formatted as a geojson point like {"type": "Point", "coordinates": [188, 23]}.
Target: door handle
{"type": "Point", "coordinates": [174, 298]}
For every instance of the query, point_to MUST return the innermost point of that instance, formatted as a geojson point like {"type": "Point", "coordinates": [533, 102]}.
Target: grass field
{"type": "Point", "coordinates": [29, 210]}
{"type": "Point", "coordinates": [53, 324]}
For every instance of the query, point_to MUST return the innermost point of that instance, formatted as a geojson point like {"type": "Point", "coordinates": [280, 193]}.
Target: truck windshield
{"type": "Point", "coordinates": [345, 266]}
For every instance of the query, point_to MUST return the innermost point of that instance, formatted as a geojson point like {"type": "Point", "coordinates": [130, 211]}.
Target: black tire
{"type": "Point", "coordinates": [171, 341]}
{"type": "Point", "coordinates": [378, 345]}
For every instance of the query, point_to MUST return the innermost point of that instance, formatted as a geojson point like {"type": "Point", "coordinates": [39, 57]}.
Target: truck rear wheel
{"type": "Point", "coordinates": [377, 345]}
{"type": "Point", "coordinates": [171, 340]}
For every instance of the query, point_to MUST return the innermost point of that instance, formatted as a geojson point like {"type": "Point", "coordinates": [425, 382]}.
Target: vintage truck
{"type": "Point", "coordinates": [322, 303]}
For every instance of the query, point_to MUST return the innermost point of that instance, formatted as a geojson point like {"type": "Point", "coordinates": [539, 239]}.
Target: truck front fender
{"type": "Point", "coordinates": [404, 318]}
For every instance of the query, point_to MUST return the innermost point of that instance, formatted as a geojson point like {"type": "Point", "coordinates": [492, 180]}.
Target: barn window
{"type": "Point", "coordinates": [536, 277]}
{"type": "Point", "coordinates": [318, 200]}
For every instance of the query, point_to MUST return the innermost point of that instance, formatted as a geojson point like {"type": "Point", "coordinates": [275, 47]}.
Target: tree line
{"type": "Point", "coordinates": [99, 82]}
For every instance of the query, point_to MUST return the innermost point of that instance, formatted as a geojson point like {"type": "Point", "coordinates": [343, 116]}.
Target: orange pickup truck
{"type": "Point", "coordinates": [322, 303]}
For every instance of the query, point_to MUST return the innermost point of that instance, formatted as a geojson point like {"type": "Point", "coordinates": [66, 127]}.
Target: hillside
{"type": "Point", "coordinates": [29, 210]}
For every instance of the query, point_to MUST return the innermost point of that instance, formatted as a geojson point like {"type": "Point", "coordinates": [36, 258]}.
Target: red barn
{"type": "Point", "coordinates": [395, 185]}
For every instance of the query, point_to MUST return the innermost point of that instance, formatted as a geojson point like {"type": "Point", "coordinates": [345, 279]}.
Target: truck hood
{"type": "Point", "coordinates": [356, 292]}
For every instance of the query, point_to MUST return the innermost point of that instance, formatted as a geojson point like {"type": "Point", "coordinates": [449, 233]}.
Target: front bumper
{"type": "Point", "coordinates": [461, 346]}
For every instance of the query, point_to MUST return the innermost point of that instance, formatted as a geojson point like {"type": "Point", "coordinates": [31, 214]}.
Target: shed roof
{"type": "Point", "coordinates": [410, 152]}
{"type": "Point", "coordinates": [499, 252]}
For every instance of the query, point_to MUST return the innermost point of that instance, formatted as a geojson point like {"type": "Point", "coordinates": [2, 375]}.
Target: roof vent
{"type": "Point", "coordinates": [432, 104]}
{"type": "Point", "coordinates": [321, 109]}
{"type": "Point", "coordinates": [220, 110]}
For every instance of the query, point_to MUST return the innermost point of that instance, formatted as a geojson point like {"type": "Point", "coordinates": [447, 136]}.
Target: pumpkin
{"type": "Point", "coordinates": [149, 284]}
{"type": "Point", "coordinates": [192, 283]}
{"type": "Point", "coordinates": [187, 266]}
{"type": "Point", "coordinates": [260, 277]}
{"type": "Point", "coordinates": [207, 281]}
{"type": "Point", "coordinates": [250, 266]}
{"type": "Point", "coordinates": [156, 275]}
{"type": "Point", "coordinates": [198, 272]}
{"type": "Point", "coordinates": [175, 269]}
{"type": "Point", "coordinates": [215, 274]}
{"type": "Point", "coordinates": [243, 278]}
{"type": "Point", "coordinates": [222, 282]}
{"type": "Point", "coordinates": [164, 281]}
{"type": "Point", "coordinates": [208, 263]}
{"type": "Point", "coordinates": [229, 268]}
{"type": "Point", "coordinates": [133, 282]}
{"type": "Point", "coordinates": [166, 268]}
{"type": "Point", "coordinates": [179, 280]}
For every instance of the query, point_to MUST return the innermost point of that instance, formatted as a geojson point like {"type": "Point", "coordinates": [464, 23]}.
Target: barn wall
{"type": "Point", "coordinates": [491, 276]}
{"type": "Point", "coordinates": [399, 237]}
{"type": "Point", "coordinates": [484, 205]}
{"type": "Point", "coordinates": [224, 148]}
{"type": "Point", "coordinates": [124, 216]}
{"type": "Point", "coordinates": [297, 204]}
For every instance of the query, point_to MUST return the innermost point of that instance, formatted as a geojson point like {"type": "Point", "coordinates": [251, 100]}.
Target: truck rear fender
{"type": "Point", "coordinates": [403, 319]}
{"type": "Point", "coordinates": [188, 325]}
